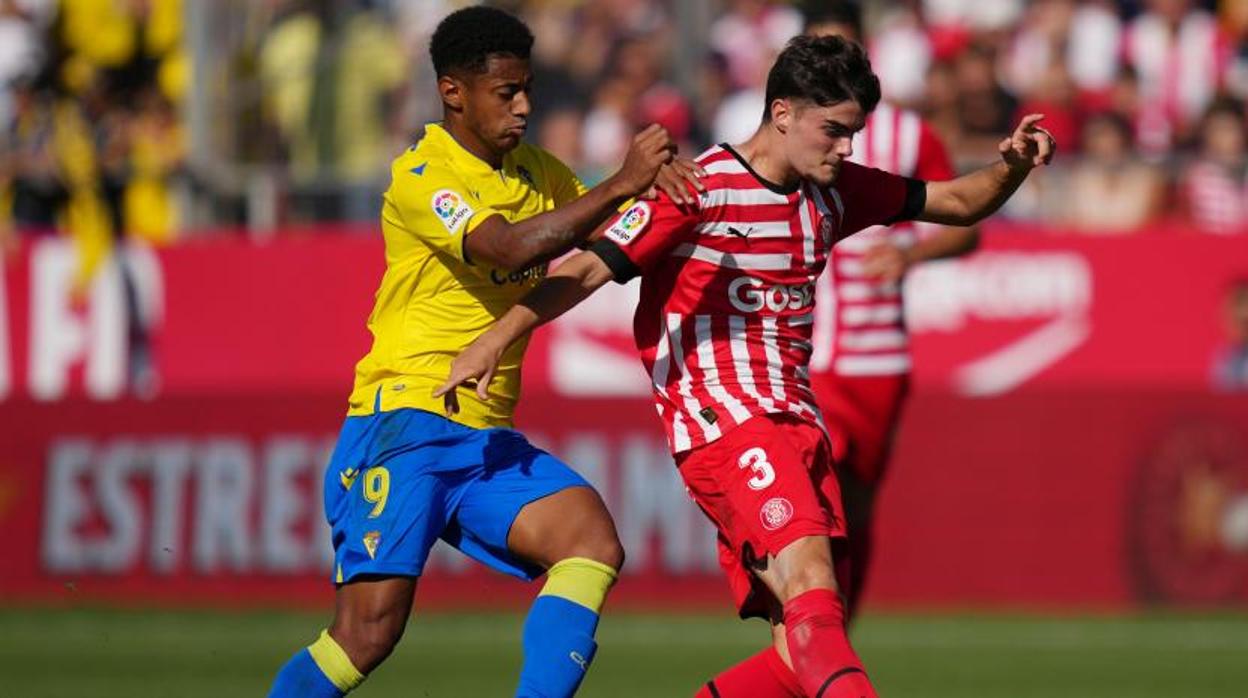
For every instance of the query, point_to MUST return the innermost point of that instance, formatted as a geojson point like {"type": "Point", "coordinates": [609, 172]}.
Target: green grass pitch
{"type": "Point", "coordinates": [129, 654]}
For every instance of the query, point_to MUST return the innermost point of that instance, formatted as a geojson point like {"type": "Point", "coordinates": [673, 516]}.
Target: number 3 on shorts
{"type": "Point", "coordinates": [376, 489]}
{"type": "Point", "coordinates": [756, 460]}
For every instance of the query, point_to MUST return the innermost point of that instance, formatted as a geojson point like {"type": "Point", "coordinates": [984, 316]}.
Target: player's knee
{"type": "Point", "coordinates": [804, 579]}
{"type": "Point", "coordinates": [599, 543]}
{"type": "Point", "coordinates": [591, 535]}
{"type": "Point", "coordinates": [609, 551]}
{"type": "Point", "coordinates": [805, 566]}
{"type": "Point", "coordinates": [368, 641]}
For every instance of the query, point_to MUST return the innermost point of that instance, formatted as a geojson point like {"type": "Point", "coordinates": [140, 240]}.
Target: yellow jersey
{"type": "Point", "coordinates": [434, 300]}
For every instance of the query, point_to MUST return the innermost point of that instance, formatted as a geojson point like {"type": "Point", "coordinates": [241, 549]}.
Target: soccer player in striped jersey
{"type": "Point", "coordinates": [860, 367]}
{"type": "Point", "coordinates": [470, 219]}
{"type": "Point", "coordinates": [724, 331]}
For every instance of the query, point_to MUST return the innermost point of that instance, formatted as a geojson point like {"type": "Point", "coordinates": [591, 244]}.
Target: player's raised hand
{"type": "Point", "coordinates": [1029, 146]}
{"type": "Point", "coordinates": [681, 180]}
{"type": "Point", "coordinates": [474, 368]}
{"type": "Point", "coordinates": [650, 150]}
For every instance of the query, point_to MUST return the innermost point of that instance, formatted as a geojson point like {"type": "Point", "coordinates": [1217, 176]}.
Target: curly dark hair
{"type": "Point", "coordinates": [466, 38]}
{"type": "Point", "coordinates": [824, 70]}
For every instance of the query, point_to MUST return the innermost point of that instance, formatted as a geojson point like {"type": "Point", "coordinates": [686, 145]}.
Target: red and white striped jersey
{"type": "Point", "coordinates": [1217, 197]}
{"type": "Point", "coordinates": [728, 287]}
{"type": "Point", "coordinates": [1180, 70]}
{"type": "Point", "coordinates": [860, 325]}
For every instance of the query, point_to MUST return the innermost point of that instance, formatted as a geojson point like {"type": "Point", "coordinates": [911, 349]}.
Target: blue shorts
{"type": "Point", "coordinates": [400, 480]}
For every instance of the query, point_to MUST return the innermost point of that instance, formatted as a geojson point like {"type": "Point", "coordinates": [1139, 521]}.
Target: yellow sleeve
{"type": "Point", "coordinates": [565, 185]}
{"type": "Point", "coordinates": [436, 207]}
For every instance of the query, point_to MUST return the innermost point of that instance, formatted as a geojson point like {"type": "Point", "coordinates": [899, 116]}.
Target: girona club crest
{"type": "Point", "coordinates": [775, 513]}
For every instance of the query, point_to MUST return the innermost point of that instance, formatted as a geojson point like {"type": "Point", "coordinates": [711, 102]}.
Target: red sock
{"type": "Point", "coordinates": [825, 664]}
{"type": "Point", "coordinates": [765, 675]}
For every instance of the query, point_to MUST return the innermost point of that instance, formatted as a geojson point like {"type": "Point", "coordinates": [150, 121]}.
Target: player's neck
{"type": "Point", "coordinates": [472, 143]}
{"type": "Point", "coordinates": [764, 153]}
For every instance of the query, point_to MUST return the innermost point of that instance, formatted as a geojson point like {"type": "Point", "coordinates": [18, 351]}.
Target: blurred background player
{"type": "Point", "coordinates": [860, 367]}
{"type": "Point", "coordinates": [724, 330]}
{"type": "Point", "coordinates": [1229, 372]}
{"type": "Point", "coordinates": [469, 221]}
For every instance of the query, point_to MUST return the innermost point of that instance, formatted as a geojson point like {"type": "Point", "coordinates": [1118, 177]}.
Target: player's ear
{"type": "Point", "coordinates": [781, 114]}
{"type": "Point", "coordinates": [452, 92]}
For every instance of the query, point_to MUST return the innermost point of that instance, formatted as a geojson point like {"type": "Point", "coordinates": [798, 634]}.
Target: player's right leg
{"type": "Point", "coordinates": [769, 487]}
{"type": "Point", "coordinates": [370, 614]}
{"type": "Point", "coordinates": [385, 508]}
{"type": "Point", "coordinates": [802, 577]}
{"type": "Point", "coordinates": [369, 618]}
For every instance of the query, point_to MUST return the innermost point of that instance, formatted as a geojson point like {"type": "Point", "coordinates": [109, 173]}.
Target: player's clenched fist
{"type": "Point", "coordinates": [650, 150]}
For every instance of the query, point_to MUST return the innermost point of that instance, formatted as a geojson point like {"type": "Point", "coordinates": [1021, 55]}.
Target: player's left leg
{"type": "Point", "coordinates": [570, 534]}
{"type": "Point", "coordinates": [763, 675]}
{"type": "Point", "coordinates": [767, 674]}
{"type": "Point", "coordinates": [530, 514]}
{"type": "Point", "coordinates": [802, 576]}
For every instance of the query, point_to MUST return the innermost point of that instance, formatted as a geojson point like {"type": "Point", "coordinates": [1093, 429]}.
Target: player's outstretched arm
{"type": "Point", "coordinates": [973, 197]}
{"type": "Point", "coordinates": [569, 284]}
{"type": "Point", "coordinates": [543, 237]}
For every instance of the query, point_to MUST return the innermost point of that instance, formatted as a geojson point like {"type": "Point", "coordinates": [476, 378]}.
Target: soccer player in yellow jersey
{"type": "Point", "coordinates": [470, 220]}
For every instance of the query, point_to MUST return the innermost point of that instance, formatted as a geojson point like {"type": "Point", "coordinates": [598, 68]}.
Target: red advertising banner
{"type": "Point", "coordinates": [1062, 447]}
{"type": "Point", "coordinates": [227, 316]}
{"type": "Point", "coordinates": [1094, 500]}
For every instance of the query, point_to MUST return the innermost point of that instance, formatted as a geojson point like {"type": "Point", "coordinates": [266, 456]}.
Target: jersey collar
{"type": "Point", "coordinates": [461, 155]}
{"type": "Point", "coordinates": [777, 188]}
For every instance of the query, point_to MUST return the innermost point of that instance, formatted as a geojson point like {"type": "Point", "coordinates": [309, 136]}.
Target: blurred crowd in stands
{"type": "Point", "coordinates": [91, 137]}
{"type": "Point", "coordinates": [157, 118]}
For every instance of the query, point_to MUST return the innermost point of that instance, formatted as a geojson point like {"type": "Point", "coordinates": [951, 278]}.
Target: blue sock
{"type": "Point", "coordinates": [559, 631]}
{"type": "Point", "coordinates": [321, 670]}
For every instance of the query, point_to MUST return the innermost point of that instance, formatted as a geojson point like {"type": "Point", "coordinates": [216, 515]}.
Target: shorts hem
{"type": "Point", "coordinates": [791, 536]}
{"type": "Point", "coordinates": [413, 571]}
{"type": "Point", "coordinates": [523, 569]}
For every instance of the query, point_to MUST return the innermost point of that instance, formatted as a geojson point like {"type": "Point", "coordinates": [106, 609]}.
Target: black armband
{"type": "Point", "coordinates": [622, 268]}
{"type": "Point", "coordinates": [916, 201]}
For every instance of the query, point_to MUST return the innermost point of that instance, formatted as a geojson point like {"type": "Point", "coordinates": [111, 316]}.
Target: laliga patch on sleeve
{"type": "Point", "coordinates": [628, 226]}
{"type": "Point", "coordinates": [451, 208]}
